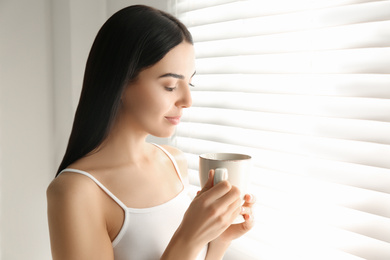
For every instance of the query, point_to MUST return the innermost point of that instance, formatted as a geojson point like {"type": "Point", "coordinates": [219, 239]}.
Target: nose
{"type": "Point", "coordinates": [185, 99]}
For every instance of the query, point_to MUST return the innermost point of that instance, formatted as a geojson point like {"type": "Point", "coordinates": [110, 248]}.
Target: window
{"type": "Point", "coordinates": [304, 87]}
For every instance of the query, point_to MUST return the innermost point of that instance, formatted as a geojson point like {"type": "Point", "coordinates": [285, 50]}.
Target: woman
{"type": "Point", "coordinates": [115, 195]}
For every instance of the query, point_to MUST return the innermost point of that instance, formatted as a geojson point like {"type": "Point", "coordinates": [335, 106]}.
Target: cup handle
{"type": "Point", "coordinates": [220, 174]}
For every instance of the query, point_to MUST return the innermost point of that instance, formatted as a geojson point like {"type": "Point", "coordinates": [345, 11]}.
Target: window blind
{"type": "Point", "coordinates": [304, 87]}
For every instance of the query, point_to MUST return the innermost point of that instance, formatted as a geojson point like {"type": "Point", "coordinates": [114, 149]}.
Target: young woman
{"type": "Point", "coordinates": [116, 196]}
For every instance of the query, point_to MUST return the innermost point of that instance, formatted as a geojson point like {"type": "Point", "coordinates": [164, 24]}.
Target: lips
{"type": "Point", "coordinates": [175, 120]}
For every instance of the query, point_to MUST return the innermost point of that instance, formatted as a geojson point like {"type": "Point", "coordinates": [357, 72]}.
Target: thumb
{"type": "Point", "coordinates": [210, 182]}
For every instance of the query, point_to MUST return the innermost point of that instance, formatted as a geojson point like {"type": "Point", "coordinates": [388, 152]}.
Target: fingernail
{"type": "Point", "coordinates": [242, 210]}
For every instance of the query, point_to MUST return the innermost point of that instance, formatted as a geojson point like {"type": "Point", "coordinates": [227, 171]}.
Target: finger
{"type": "Point", "coordinates": [232, 211]}
{"type": "Point", "coordinates": [214, 194]}
{"type": "Point", "coordinates": [246, 210]}
{"type": "Point", "coordinates": [236, 206]}
{"type": "Point", "coordinates": [249, 200]}
{"type": "Point", "coordinates": [242, 228]}
{"type": "Point", "coordinates": [249, 222]}
{"type": "Point", "coordinates": [232, 195]}
{"type": "Point", "coordinates": [209, 183]}
{"type": "Point", "coordinates": [210, 192]}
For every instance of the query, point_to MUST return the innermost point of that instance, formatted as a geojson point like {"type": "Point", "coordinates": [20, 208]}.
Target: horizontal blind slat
{"type": "Point", "coordinates": [339, 128]}
{"type": "Point", "coordinates": [370, 60]}
{"type": "Point", "coordinates": [334, 216]}
{"type": "Point", "coordinates": [344, 15]}
{"type": "Point", "coordinates": [276, 6]}
{"type": "Point", "coordinates": [253, 249]}
{"type": "Point", "coordinates": [368, 35]}
{"type": "Point", "coordinates": [350, 85]}
{"type": "Point", "coordinates": [284, 196]}
{"type": "Point", "coordinates": [198, 14]}
{"type": "Point", "coordinates": [340, 107]}
{"type": "Point", "coordinates": [183, 6]}
{"type": "Point", "coordinates": [295, 233]}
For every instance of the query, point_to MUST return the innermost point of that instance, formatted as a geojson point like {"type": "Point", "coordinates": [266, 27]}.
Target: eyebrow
{"type": "Point", "coordinates": [174, 75]}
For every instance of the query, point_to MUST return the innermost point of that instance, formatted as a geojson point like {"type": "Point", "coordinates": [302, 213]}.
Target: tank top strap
{"type": "Point", "coordinates": [107, 191]}
{"type": "Point", "coordinates": [170, 156]}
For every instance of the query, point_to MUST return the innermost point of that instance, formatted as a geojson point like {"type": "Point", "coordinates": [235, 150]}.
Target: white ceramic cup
{"type": "Point", "coordinates": [235, 168]}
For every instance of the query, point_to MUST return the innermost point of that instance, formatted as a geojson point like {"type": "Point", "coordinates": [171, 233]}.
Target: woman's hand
{"type": "Point", "coordinates": [237, 230]}
{"type": "Point", "coordinates": [209, 219]}
{"type": "Point", "coordinates": [209, 215]}
{"type": "Point", "coordinates": [214, 209]}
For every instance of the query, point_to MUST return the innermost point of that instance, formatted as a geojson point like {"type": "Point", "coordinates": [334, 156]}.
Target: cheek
{"type": "Point", "coordinates": [157, 104]}
{"type": "Point", "coordinates": [148, 104]}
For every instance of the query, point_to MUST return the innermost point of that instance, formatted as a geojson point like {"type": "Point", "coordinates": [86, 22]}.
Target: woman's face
{"type": "Point", "coordinates": [154, 103]}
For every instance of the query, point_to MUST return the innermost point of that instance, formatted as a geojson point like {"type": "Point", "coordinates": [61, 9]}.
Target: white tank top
{"type": "Point", "coordinates": [146, 232]}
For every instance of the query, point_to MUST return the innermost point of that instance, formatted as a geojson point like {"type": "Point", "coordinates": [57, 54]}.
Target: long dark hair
{"type": "Point", "coordinates": [132, 39]}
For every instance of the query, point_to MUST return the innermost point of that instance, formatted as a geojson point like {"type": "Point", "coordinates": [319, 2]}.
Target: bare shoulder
{"type": "Point", "coordinates": [180, 159]}
{"type": "Point", "coordinates": [76, 219]}
{"type": "Point", "coordinates": [71, 195]}
{"type": "Point", "coordinates": [69, 186]}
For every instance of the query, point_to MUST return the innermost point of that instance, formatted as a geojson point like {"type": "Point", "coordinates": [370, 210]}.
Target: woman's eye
{"type": "Point", "coordinates": [191, 85]}
{"type": "Point", "coordinates": [169, 89]}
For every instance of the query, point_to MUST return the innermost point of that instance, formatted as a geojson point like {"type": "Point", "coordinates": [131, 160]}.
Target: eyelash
{"type": "Point", "coordinates": [172, 89]}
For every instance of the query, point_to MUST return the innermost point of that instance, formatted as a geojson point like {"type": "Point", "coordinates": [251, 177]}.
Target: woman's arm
{"type": "Point", "coordinates": [76, 220]}
{"type": "Point", "coordinates": [216, 250]}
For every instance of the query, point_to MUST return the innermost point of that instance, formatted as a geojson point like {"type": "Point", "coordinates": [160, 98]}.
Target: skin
{"type": "Point", "coordinates": [83, 220]}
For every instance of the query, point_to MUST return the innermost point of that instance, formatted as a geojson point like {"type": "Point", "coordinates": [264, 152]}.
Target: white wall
{"type": "Point", "coordinates": [115, 5]}
{"type": "Point", "coordinates": [26, 162]}
{"type": "Point", "coordinates": [44, 45]}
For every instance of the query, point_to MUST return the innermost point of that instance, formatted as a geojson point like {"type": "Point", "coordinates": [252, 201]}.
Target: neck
{"type": "Point", "coordinates": [124, 145]}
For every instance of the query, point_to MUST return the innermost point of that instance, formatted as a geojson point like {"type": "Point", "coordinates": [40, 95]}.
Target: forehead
{"type": "Point", "coordinates": [179, 60]}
